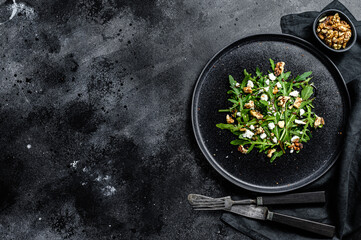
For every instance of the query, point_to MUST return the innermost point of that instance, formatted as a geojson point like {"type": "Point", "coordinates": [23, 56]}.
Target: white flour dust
{"type": "Point", "coordinates": [16, 8]}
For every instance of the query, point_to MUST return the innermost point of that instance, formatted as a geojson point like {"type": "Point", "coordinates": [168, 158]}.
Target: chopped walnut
{"type": "Point", "coordinates": [242, 149]}
{"type": "Point", "coordinates": [279, 68]}
{"type": "Point", "coordinates": [282, 100]}
{"type": "Point", "coordinates": [334, 31]}
{"type": "Point", "coordinates": [319, 121]}
{"type": "Point", "coordinates": [229, 119]}
{"type": "Point", "coordinates": [281, 124]}
{"type": "Point", "coordinates": [247, 89]}
{"type": "Point", "coordinates": [256, 114]}
{"type": "Point", "coordinates": [243, 129]}
{"type": "Point", "coordinates": [259, 130]}
{"type": "Point", "coordinates": [275, 90]}
{"type": "Point", "coordinates": [249, 105]}
{"type": "Point", "coordinates": [298, 102]}
{"type": "Point", "coordinates": [296, 145]}
{"type": "Point", "coordinates": [270, 152]}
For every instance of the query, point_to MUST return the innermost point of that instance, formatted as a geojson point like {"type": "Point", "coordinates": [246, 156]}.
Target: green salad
{"type": "Point", "coordinates": [272, 112]}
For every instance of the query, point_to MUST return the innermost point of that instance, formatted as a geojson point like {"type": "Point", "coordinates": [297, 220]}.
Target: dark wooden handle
{"type": "Point", "coordinates": [294, 198]}
{"type": "Point", "coordinates": [315, 227]}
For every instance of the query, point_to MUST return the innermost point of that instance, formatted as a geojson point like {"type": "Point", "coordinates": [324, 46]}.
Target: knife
{"type": "Point", "coordinates": [262, 213]}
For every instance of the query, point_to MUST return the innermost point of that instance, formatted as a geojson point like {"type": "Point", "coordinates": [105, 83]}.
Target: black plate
{"type": "Point", "coordinates": [254, 171]}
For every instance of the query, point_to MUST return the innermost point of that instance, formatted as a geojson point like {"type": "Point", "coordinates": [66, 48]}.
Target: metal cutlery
{"type": "Point", "coordinates": [262, 213]}
{"type": "Point", "coordinates": [201, 202]}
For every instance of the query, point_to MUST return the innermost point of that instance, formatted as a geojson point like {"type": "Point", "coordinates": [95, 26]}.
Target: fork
{"type": "Point", "coordinates": [201, 202]}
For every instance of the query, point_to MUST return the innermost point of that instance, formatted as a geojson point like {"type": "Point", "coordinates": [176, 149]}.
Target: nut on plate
{"type": "Point", "coordinates": [256, 114]}
{"type": "Point", "coordinates": [242, 149]}
{"type": "Point", "coordinates": [259, 130]}
{"type": "Point", "coordinates": [275, 90]}
{"type": "Point", "coordinates": [279, 68]}
{"type": "Point", "coordinates": [229, 119]}
{"type": "Point", "coordinates": [247, 89]}
{"type": "Point", "coordinates": [319, 121]}
{"type": "Point", "coordinates": [298, 102]}
{"type": "Point", "coordinates": [270, 152]}
{"type": "Point", "coordinates": [249, 105]}
{"type": "Point", "coordinates": [282, 100]}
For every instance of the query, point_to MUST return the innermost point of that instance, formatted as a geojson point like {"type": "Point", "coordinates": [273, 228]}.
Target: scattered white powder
{"type": "Point", "coordinates": [108, 190]}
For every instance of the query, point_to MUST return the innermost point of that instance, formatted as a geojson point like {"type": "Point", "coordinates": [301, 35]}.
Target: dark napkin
{"type": "Point", "coordinates": [343, 182]}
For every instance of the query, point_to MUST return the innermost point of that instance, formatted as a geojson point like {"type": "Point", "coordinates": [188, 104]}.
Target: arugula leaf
{"type": "Point", "coordinates": [239, 142]}
{"type": "Point", "coordinates": [276, 155]}
{"type": "Point", "coordinates": [232, 82]}
{"type": "Point", "coordinates": [306, 92]}
{"type": "Point", "coordinates": [258, 72]}
{"type": "Point", "coordinates": [303, 76]}
{"type": "Point", "coordinates": [227, 126]}
{"type": "Point", "coordinates": [247, 76]}
{"type": "Point", "coordinates": [272, 64]}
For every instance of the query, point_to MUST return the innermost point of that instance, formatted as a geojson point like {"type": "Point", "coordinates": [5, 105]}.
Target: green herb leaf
{"type": "Point", "coordinates": [272, 64]}
{"type": "Point", "coordinates": [306, 92]}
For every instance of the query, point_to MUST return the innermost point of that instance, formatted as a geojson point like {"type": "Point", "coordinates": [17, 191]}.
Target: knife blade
{"type": "Point", "coordinates": [262, 213]}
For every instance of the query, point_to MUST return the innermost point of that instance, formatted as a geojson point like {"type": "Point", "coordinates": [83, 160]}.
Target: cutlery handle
{"type": "Point", "coordinates": [294, 198]}
{"type": "Point", "coordinates": [315, 227]}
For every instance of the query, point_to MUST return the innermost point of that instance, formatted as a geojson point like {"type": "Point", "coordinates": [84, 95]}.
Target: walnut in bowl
{"type": "Point", "coordinates": [334, 30]}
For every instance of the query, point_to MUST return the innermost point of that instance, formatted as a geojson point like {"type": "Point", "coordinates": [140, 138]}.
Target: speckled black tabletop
{"type": "Point", "coordinates": [95, 132]}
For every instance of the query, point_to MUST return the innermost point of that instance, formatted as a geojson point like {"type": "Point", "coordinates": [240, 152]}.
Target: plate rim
{"type": "Point", "coordinates": [206, 153]}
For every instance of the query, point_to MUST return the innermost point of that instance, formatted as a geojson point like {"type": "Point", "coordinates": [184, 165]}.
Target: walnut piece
{"type": "Point", "coordinates": [247, 89]}
{"type": "Point", "coordinates": [270, 152]}
{"type": "Point", "coordinates": [279, 68]}
{"type": "Point", "coordinates": [256, 114]}
{"type": "Point", "coordinates": [259, 130]}
{"type": "Point", "coordinates": [275, 90]}
{"type": "Point", "coordinates": [319, 121]}
{"type": "Point", "coordinates": [242, 149]}
{"type": "Point", "coordinates": [298, 102]}
{"type": "Point", "coordinates": [282, 100]}
{"type": "Point", "coordinates": [249, 105]}
{"type": "Point", "coordinates": [229, 119]}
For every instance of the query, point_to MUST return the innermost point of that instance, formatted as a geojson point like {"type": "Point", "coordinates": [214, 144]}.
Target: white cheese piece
{"type": "Point", "coordinates": [239, 114]}
{"type": "Point", "coordinates": [294, 138]}
{"type": "Point", "coordinates": [264, 97]}
{"type": "Point", "coordinates": [263, 136]}
{"type": "Point", "coordinates": [302, 112]}
{"type": "Point", "coordinates": [267, 82]}
{"type": "Point", "coordinates": [294, 93]}
{"type": "Point", "coordinates": [279, 85]}
{"type": "Point", "coordinates": [260, 91]}
{"type": "Point", "coordinates": [248, 134]}
{"type": "Point", "coordinates": [251, 127]}
{"type": "Point", "coordinates": [272, 77]}
{"type": "Point", "coordinates": [301, 132]}
{"type": "Point", "coordinates": [266, 89]}
{"type": "Point", "coordinates": [250, 84]}
{"type": "Point", "coordinates": [271, 125]}
{"type": "Point", "coordinates": [300, 122]}
{"type": "Point", "coordinates": [274, 140]}
{"type": "Point", "coordinates": [238, 85]}
{"type": "Point", "coordinates": [291, 151]}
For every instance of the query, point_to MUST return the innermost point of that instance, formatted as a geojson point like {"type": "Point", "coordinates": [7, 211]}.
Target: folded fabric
{"type": "Point", "coordinates": [343, 182]}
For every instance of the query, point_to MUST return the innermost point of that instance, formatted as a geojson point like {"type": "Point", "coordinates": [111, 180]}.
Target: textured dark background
{"type": "Point", "coordinates": [95, 132]}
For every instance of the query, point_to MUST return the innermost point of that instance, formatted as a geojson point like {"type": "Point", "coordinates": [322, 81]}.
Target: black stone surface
{"type": "Point", "coordinates": [95, 131]}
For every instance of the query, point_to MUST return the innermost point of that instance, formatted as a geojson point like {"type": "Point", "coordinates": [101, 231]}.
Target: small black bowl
{"type": "Point", "coordinates": [343, 16]}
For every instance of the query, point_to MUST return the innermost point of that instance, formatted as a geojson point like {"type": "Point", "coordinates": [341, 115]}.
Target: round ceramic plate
{"type": "Point", "coordinates": [254, 171]}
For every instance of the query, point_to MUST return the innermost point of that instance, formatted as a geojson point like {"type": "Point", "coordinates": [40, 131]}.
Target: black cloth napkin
{"type": "Point", "coordinates": [343, 182]}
